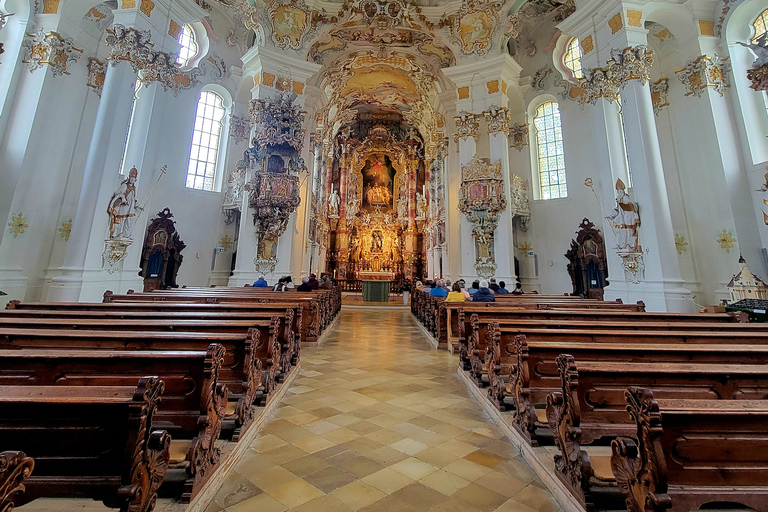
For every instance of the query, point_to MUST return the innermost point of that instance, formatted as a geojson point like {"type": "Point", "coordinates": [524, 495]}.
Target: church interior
{"type": "Point", "coordinates": [242, 241]}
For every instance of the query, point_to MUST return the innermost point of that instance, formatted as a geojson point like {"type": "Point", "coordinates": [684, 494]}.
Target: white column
{"type": "Point", "coordinates": [89, 225]}
{"type": "Point", "coordinates": [504, 241]}
{"type": "Point", "coordinates": [467, 149]}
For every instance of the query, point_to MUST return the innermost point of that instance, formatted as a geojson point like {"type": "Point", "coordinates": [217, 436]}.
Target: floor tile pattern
{"type": "Point", "coordinates": [379, 421]}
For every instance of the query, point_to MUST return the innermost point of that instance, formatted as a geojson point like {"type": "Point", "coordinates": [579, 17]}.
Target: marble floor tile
{"type": "Point", "coordinates": [379, 421]}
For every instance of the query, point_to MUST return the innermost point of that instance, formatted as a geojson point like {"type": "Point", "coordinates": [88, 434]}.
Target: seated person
{"type": "Point", "coordinates": [502, 288]}
{"type": "Point", "coordinates": [518, 289]}
{"type": "Point", "coordinates": [456, 295]}
{"type": "Point", "coordinates": [484, 294]}
{"type": "Point", "coordinates": [438, 290]}
{"type": "Point", "coordinates": [492, 285]}
{"type": "Point", "coordinates": [463, 285]}
{"type": "Point", "coordinates": [475, 287]}
{"type": "Point", "coordinates": [260, 282]}
{"type": "Point", "coordinates": [304, 286]}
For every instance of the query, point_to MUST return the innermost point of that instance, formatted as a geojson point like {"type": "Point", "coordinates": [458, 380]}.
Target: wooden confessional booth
{"type": "Point", "coordinates": [587, 262]}
{"type": "Point", "coordinates": [161, 255]}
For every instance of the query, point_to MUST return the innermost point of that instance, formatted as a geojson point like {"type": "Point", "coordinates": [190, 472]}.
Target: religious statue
{"type": "Point", "coordinates": [333, 203]}
{"type": "Point", "coordinates": [402, 207]}
{"type": "Point", "coordinates": [421, 205]}
{"type": "Point", "coordinates": [122, 207]}
{"type": "Point", "coordinates": [377, 242]}
{"type": "Point", "coordinates": [353, 207]}
{"type": "Point", "coordinates": [626, 220]}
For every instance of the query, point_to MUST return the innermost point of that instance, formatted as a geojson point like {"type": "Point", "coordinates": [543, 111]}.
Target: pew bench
{"type": "Point", "coordinates": [88, 441]}
{"type": "Point", "coordinates": [689, 453]}
{"type": "Point", "coordinates": [590, 406]}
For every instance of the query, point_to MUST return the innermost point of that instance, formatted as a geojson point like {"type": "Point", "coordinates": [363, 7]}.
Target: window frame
{"type": "Point", "coordinates": [187, 29]}
{"type": "Point", "coordinates": [763, 15]}
{"type": "Point", "coordinates": [567, 51]}
{"type": "Point", "coordinates": [223, 142]}
{"type": "Point", "coordinates": [534, 143]}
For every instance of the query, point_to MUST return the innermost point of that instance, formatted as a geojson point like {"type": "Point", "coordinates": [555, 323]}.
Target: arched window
{"type": "Point", "coordinates": [206, 139]}
{"type": "Point", "coordinates": [761, 26]}
{"type": "Point", "coordinates": [188, 45]}
{"type": "Point", "coordinates": [572, 58]}
{"type": "Point", "coordinates": [551, 157]}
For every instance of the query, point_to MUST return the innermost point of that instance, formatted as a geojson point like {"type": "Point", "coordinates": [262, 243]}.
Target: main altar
{"type": "Point", "coordinates": [375, 285]}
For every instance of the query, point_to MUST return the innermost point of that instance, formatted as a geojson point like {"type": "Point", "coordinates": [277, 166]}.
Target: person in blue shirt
{"type": "Point", "coordinates": [484, 294]}
{"type": "Point", "coordinates": [475, 287]}
{"type": "Point", "coordinates": [260, 283]}
{"type": "Point", "coordinates": [438, 290]}
{"type": "Point", "coordinates": [502, 288]}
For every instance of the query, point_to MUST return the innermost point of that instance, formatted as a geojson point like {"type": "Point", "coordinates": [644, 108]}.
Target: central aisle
{"type": "Point", "coordinates": [379, 421]}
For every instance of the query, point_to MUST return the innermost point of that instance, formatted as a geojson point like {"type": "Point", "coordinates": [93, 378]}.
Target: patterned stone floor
{"type": "Point", "coordinates": [379, 421]}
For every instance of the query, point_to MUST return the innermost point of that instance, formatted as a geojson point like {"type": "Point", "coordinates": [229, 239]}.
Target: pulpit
{"type": "Point", "coordinates": [375, 285]}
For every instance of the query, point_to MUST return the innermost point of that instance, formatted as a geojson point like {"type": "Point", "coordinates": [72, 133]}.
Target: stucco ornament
{"type": "Point", "coordinates": [239, 128]}
{"type": "Point", "coordinates": [474, 25]}
{"type": "Point", "coordinates": [522, 204]}
{"type": "Point", "coordinates": [758, 73]}
{"type": "Point", "coordinates": [52, 49]}
{"type": "Point", "coordinates": [467, 125]}
{"type": "Point", "coordinates": [65, 230]}
{"type": "Point", "coordinates": [130, 45]}
{"type": "Point", "coordinates": [518, 136]}
{"type": "Point", "coordinates": [290, 20]}
{"type": "Point", "coordinates": [659, 90]}
{"type": "Point", "coordinates": [630, 63]}
{"type": "Point", "coordinates": [481, 199]}
{"type": "Point", "coordinates": [497, 119]}
{"type": "Point", "coordinates": [726, 240]}
{"type": "Point", "coordinates": [96, 74]}
{"type": "Point", "coordinates": [681, 244]}
{"type": "Point", "coordinates": [18, 224]}
{"type": "Point", "coordinates": [278, 121]}
{"type": "Point", "coordinates": [225, 242]}
{"type": "Point", "coordinates": [703, 72]}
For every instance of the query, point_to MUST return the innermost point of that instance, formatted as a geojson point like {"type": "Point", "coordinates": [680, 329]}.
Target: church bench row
{"type": "Point", "coordinates": [319, 307]}
{"type": "Point", "coordinates": [591, 406]}
{"type": "Point", "coordinates": [107, 450]}
{"type": "Point", "coordinates": [688, 453]}
{"type": "Point", "coordinates": [193, 408]}
{"type": "Point", "coordinates": [457, 313]}
{"type": "Point", "coordinates": [520, 372]}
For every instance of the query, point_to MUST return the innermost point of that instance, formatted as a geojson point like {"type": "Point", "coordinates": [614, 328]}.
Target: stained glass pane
{"type": "Point", "coordinates": [205, 141]}
{"type": "Point", "coordinates": [549, 139]}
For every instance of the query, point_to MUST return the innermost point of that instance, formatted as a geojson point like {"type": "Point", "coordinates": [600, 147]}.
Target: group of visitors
{"type": "Point", "coordinates": [481, 290]}
{"type": "Point", "coordinates": [285, 283]}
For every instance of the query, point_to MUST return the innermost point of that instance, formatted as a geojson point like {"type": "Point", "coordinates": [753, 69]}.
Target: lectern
{"type": "Point", "coordinates": [375, 285]}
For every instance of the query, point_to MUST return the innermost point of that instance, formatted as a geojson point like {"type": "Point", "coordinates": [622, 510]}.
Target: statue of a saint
{"type": "Point", "coordinates": [353, 206]}
{"type": "Point", "coordinates": [402, 207]}
{"type": "Point", "coordinates": [122, 207]}
{"type": "Point", "coordinates": [421, 205]}
{"type": "Point", "coordinates": [626, 220]}
{"type": "Point", "coordinates": [333, 203]}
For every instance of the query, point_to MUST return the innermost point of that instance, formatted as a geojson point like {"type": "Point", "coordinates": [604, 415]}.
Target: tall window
{"type": "Point", "coordinates": [761, 26]}
{"type": "Point", "coordinates": [572, 59]}
{"type": "Point", "coordinates": [188, 45]}
{"type": "Point", "coordinates": [549, 139]}
{"type": "Point", "coordinates": [205, 141]}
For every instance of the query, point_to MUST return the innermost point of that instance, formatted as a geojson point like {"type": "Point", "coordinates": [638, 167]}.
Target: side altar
{"type": "Point", "coordinates": [375, 285]}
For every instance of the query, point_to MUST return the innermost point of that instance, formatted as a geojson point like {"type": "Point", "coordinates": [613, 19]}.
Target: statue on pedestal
{"type": "Point", "coordinates": [626, 220]}
{"type": "Point", "coordinates": [122, 207]}
{"type": "Point", "coordinates": [333, 203]}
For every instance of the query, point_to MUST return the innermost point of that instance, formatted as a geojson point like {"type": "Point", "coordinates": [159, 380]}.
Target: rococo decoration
{"type": "Point", "coordinates": [726, 240]}
{"type": "Point", "coordinates": [705, 72]}
{"type": "Point", "coordinates": [659, 90]}
{"type": "Point", "coordinates": [18, 224]}
{"type": "Point", "coordinates": [473, 26]}
{"type": "Point", "coordinates": [275, 161]}
{"type": "Point", "coordinates": [239, 128]}
{"type": "Point", "coordinates": [497, 119]}
{"type": "Point", "coordinates": [467, 125]}
{"type": "Point", "coordinates": [481, 199]}
{"type": "Point", "coordinates": [631, 63]}
{"type": "Point", "coordinates": [65, 230]}
{"type": "Point", "coordinates": [681, 244]}
{"type": "Point", "coordinates": [522, 204]}
{"type": "Point", "coordinates": [518, 136]}
{"type": "Point", "coordinates": [50, 48]}
{"type": "Point", "coordinates": [96, 73]}
{"type": "Point", "coordinates": [758, 73]}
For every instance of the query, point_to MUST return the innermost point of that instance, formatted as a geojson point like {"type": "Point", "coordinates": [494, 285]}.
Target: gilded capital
{"type": "Point", "coordinates": [497, 119]}
{"type": "Point", "coordinates": [705, 72]}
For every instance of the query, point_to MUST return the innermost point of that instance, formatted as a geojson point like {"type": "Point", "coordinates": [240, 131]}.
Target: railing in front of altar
{"type": "Point", "coordinates": [356, 285]}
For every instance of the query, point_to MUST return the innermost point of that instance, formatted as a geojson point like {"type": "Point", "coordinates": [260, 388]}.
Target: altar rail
{"type": "Point", "coordinates": [356, 285]}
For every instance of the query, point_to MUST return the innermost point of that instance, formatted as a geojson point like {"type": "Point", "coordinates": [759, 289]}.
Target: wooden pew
{"type": "Point", "coordinates": [88, 441]}
{"type": "Point", "coordinates": [312, 323]}
{"type": "Point", "coordinates": [289, 313]}
{"type": "Point", "coordinates": [455, 332]}
{"type": "Point", "coordinates": [194, 402]}
{"type": "Point", "coordinates": [500, 357]}
{"type": "Point", "coordinates": [15, 468]}
{"type": "Point", "coordinates": [591, 406]}
{"type": "Point", "coordinates": [535, 373]}
{"type": "Point", "coordinates": [249, 369]}
{"type": "Point", "coordinates": [689, 453]}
